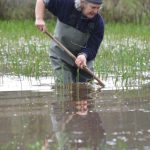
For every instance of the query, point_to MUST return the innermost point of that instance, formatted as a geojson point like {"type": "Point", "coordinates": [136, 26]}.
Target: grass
{"type": "Point", "coordinates": [120, 145]}
{"type": "Point", "coordinates": [23, 49]}
{"type": "Point", "coordinates": [124, 53]}
{"type": "Point", "coordinates": [13, 146]}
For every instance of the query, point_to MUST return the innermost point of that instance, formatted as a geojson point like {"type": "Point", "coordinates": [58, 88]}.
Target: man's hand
{"type": "Point", "coordinates": [81, 61]}
{"type": "Point", "coordinates": [40, 24]}
{"type": "Point", "coordinates": [39, 15]}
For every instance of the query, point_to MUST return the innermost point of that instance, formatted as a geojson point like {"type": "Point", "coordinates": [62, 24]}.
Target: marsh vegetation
{"type": "Point", "coordinates": [123, 55]}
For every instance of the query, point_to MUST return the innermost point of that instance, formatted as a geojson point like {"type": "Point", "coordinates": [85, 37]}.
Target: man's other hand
{"type": "Point", "coordinates": [81, 61]}
{"type": "Point", "coordinates": [40, 24]}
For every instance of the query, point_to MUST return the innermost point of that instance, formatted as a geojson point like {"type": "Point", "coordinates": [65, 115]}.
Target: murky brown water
{"type": "Point", "coordinates": [76, 117]}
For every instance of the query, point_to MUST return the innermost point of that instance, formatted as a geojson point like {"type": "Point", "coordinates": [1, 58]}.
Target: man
{"type": "Point", "coordinates": [80, 29]}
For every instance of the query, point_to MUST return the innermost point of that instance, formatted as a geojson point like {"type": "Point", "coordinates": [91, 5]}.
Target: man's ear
{"type": "Point", "coordinates": [83, 3]}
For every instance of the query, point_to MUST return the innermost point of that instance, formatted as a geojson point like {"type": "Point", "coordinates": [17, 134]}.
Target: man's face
{"type": "Point", "coordinates": [81, 105]}
{"type": "Point", "coordinates": [90, 9]}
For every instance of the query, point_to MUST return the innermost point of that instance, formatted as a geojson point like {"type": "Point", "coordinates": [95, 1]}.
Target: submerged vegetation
{"type": "Point", "coordinates": [124, 53]}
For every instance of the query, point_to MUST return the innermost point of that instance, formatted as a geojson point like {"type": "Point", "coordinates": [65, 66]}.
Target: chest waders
{"type": "Point", "coordinates": [63, 65]}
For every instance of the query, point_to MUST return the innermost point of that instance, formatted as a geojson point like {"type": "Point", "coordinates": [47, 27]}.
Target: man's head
{"type": "Point", "coordinates": [90, 7]}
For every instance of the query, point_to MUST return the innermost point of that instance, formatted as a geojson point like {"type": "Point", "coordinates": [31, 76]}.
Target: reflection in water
{"type": "Point", "coordinates": [23, 119]}
{"type": "Point", "coordinates": [75, 117]}
{"type": "Point", "coordinates": [76, 125]}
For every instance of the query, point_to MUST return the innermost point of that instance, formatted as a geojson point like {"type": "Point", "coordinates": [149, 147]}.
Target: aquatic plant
{"type": "Point", "coordinates": [36, 146]}
{"type": "Point", "coordinates": [124, 53]}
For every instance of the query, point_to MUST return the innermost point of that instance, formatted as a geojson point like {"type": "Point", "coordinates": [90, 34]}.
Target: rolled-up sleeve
{"type": "Point", "coordinates": [53, 5]}
{"type": "Point", "coordinates": [46, 2]}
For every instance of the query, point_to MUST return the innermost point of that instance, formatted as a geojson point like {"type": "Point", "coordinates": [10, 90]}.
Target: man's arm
{"type": "Point", "coordinates": [89, 52]}
{"type": "Point", "coordinates": [94, 41]}
{"type": "Point", "coordinates": [39, 15]}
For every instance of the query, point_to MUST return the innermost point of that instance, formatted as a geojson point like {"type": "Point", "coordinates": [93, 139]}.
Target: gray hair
{"type": "Point", "coordinates": [78, 4]}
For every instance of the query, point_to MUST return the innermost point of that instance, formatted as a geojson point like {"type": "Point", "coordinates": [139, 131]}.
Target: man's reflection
{"type": "Point", "coordinates": [76, 126]}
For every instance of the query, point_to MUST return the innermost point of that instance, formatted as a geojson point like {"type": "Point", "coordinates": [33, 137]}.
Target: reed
{"type": "Point", "coordinates": [124, 53]}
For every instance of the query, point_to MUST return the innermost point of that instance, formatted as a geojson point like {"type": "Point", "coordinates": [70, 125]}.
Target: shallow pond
{"type": "Point", "coordinates": [74, 117]}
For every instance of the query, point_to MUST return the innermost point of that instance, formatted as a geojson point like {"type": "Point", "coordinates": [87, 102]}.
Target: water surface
{"type": "Point", "coordinates": [76, 117]}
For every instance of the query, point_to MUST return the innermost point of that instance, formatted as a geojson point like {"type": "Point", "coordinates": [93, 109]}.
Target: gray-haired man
{"type": "Point", "coordinates": [80, 29]}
